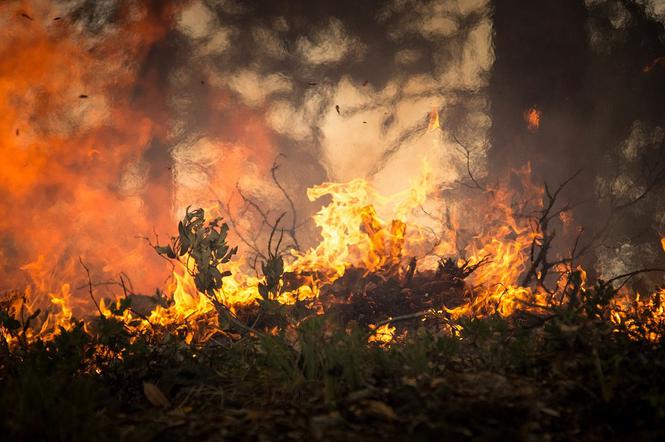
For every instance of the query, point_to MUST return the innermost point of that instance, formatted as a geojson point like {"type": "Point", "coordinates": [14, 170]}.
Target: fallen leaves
{"type": "Point", "coordinates": [380, 409]}
{"type": "Point", "coordinates": [155, 395]}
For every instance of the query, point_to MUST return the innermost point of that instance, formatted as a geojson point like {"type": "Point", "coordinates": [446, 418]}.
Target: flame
{"type": "Point", "coordinates": [362, 228]}
{"type": "Point", "coordinates": [352, 232]}
{"type": "Point", "coordinates": [63, 183]}
{"type": "Point", "coordinates": [532, 118]}
{"type": "Point", "coordinates": [383, 335]}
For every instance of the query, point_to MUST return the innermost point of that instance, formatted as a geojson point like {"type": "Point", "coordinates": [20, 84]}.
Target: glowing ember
{"type": "Point", "coordinates": [658, 61]}
{"type": "Point", "coordinates": [532, 118]}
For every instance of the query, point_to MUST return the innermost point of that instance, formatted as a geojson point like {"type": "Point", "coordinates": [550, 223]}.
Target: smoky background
{"type": "Point", "coordinates": [214, 92]}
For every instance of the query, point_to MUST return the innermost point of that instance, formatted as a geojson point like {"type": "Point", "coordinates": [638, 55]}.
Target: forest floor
{"type": "Point", "coordinates": [569, 374]}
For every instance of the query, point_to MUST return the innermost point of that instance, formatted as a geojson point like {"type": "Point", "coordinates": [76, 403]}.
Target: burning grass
{"type": "Point", "coordinates": [377, 329]}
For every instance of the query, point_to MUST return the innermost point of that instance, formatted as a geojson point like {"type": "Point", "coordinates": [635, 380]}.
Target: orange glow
{"type": "Point", "coordinates": [658, 61]}
{"type": "Point", "coordinates": [532, 118]}
{"type": "Point", "coordinates": [383, 335]}
{"type": "Point", "coordinates": [76, 190]}
{"type": "Point", "coordinates": [64, 187]}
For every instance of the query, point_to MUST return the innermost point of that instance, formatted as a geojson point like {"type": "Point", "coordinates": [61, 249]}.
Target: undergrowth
{"type": "Point", "coordinates": [568, 373]}
{"type": "Point", "coordinates": [570, 376]}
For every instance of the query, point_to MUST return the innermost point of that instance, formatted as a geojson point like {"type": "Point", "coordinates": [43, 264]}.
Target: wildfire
{"type": "Point", "coordinates": [532, 118]}
{"type": "Point", "coordinates": [355, 233]}
{"type": "Point", "coordinates": [47, 159]}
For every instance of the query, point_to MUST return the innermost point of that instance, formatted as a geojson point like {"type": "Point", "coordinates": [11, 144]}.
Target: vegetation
{"type": "Point", "coordinates": [280, 372]}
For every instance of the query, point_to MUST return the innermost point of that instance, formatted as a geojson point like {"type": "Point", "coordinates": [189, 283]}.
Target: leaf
{"type": "Point", "coordinates": [166, 250]}
{"type": "Point", "coordinates": [30, 319]}
{"type": "Point", "coordinates": [11, 324]}
{"type": "Point", "coordinates": [33, 315]}
{"type": "Point", "coordinates": [263, 290]}
{"type": "Point", "coordinates": [185, 240]}
{"type": "Point", "coordinates": [380, 409]}
{"type": "Point", "coordinates": [155, 395]}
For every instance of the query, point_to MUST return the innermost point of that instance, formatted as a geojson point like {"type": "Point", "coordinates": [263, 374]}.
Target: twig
{"type": "Point", "coordinates": [632, 274]}
{"type": "Point", "coordinates": [402, 318]}
{"type": "Point", "coordinates": [87, 271]}
{"type": "Point", "coordinates": [467, 154]}
{"type": "Point", "coordinates": [292, 231]}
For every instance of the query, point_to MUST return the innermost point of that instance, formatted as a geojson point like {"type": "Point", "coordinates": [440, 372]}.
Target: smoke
{"type": "Point", "coordinates": [117, 115]}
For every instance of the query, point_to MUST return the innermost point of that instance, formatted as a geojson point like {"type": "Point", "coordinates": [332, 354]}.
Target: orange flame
{"type": "Point", "coordinates": [383, 335]}
{"type": "Point", "coordinates": [532, 118]}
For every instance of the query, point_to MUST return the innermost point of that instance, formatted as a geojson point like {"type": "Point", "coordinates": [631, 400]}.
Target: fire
{"type": "Point", "coordinates": [364, 229]}
{"type": "Point", "coordinates": [63, 183]}
{"type": "Point", "coordinates": [354, 234]}
{"type": "Point", "coordinates": [532, 118]}
{"type": "Point", "coordinates": [383, 335]}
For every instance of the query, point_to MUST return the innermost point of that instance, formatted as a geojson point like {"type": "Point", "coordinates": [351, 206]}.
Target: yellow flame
{"type": "Point", "coordinates": [362, 228]}
{"type": "Point", "coordinates": [383, 335]}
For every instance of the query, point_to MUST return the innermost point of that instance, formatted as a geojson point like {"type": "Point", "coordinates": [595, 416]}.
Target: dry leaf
{"type": "Point", "coordinates": [381, 409]}
{"type": "Point", "coordinates": [155, 395]}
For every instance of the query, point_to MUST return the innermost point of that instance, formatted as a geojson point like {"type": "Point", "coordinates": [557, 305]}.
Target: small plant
{"type": "Point", "coordinates": [273, 267]}
{"type": "Point", "coordinates": [204, 244]}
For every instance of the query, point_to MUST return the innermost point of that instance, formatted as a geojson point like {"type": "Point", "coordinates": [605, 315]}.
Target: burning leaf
{"type": "Point", "coordinates": [662, 243]}
{"type": "Point", "coordinates": [365, 83]}
{"type": "Point", "coordinates": [337, 109]}
{"type": "Point", "coordinates": [17, 132]}
{"type": "Point", "coordinates": [83, 96]}
{"type": "Point", "coordinates": [24, 15]}
{"type": "Point", "coordinates": [57, 18]}
{"type": "Point", "coordinates": [155, 395]}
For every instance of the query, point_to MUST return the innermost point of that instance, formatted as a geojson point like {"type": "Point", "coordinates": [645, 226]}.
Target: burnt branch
{"type": "Point", "coordinates": [540, 265]}
{"type": "Point", "coordinates": [87, 271]}
{"type": "Point", "coordinates": [467, 155]}
{"type": "Point", "coordinates": [294, 214]}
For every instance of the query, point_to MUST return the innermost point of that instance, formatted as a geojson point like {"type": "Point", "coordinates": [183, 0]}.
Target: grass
{"type": "Point", "coordinates": [572, 376]}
